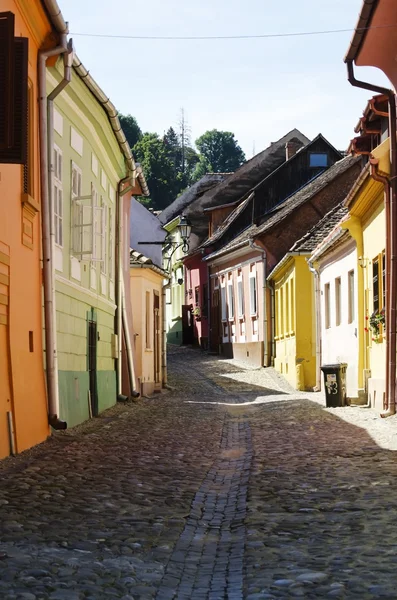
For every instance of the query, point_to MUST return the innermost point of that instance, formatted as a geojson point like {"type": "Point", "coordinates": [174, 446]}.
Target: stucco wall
{"type": "Point", "coordinates": [374, 245]}
{"type": "Point", "coordinates": [22, 385]}
{"type": "Point", "coordinates": [146, 227]}
{"type": "Point", "coordinates": [339, 343]}
{"type": "Point", "coordinates": [143, 281]}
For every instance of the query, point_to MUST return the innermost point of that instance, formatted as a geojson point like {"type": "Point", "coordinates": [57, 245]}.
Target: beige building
{"type": "Point", "coordinates": [147, 303]}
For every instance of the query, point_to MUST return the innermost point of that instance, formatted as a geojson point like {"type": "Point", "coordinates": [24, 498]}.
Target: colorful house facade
{"type": "Point", "coordinates": [271, 236]}
{"type": "Point", "coordinates": [147, 302]}
{"type": "Point", "coordinates": [91, 158]}
{"type": "Point", "coordinates": [26, 29]}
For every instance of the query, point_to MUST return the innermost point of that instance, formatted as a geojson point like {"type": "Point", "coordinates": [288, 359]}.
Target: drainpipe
{"type": "Point", "coordinates": [166, 287]}
{"type": "Point", "coordinates": [391, 241]}
{"type": "Point", "coordinates": [131, 370]}
{"type": "Point", "coordinates": [46, 170]}
{"type": "Point", "coordinates": [264, 292]}
{"type": "Point", "coordinates": [209, 307]}
{"type": "Point", "coordinates": [119, 274]}
{"type": "Point", "coordinates": [318, 322]}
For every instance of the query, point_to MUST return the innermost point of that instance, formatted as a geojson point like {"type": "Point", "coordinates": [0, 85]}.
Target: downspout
{"type": "Point", "coordinates": [166, 287]}
{"type": "Point", "coordinates": [264, 292]}
{"type": "Point", "coordinates": [391, 241]}
{"type": "Point", "coordinates": [131, 370]}
{"type": "Point", "coordinates": [318, 321]}
{"type": "Point", "coordinates": [119, 274]}
{"type": "Point", "coordinates": [209, 324]}
{"type": "Point", "coordinates": [46, 171]}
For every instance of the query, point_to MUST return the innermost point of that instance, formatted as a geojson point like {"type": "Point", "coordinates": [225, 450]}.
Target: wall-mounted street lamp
{"type": "Point", "coordinates": [184, 227]}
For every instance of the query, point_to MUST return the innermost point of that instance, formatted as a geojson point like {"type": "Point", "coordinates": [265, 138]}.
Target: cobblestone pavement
{"type": "Point", "coordinates": [230, 486]}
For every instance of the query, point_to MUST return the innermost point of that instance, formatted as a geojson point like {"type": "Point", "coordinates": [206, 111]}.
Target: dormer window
{"type": "Point", "coordinates": [318, 159]}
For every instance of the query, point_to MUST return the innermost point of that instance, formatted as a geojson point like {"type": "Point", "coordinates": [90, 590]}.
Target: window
{"type": "Point", "coordinates": [223, 301]}
{"type": "Point", "coordinates": [277, 316]}
{"type": "Point", "coordinates": [350, 282]}
{"type": "Point", "coordinates": [292, 294]}
{"type": "Point", "coordinates": [282, 308]}
{"type": "Point", "coordinates": [383, 280]}
{"type": "Point", "coordinates": [28, 187]}
{"type": "Point", "coordinates": [87, 221]}
{"type": "Point", "coordinates": [375, 284]}
{"type": "Point", "coordinates": [287, 308]}
{"type": "Point", "coordinates": [111, 242]}
{"type": "Point", "coordinates": [204, 307]}
{"type": "Point", "coordinates": [7, 20]}
{"type": "Point", "coordinates": [327, 305]}
{"type": "Point", "coordinates": [104, 254]}
{"type": "Point", "coordinates": [240, 297]}
{"type": "Point", "coordinates": [13, 94]}
{"type": "Point", "coordinates": [253, 299]}
{"type": "Point", "coordinates": [216, 283]}
{"type": "Point", "coordinates": [230, 297]}
{"type": "Point", "coordinates": [338, 316]}
{"type": "Point", "coordinates": [147, 320]}
{"type": "Point", "coordinates": [197, 295]}
{"type": "Point", "coordinates": [58, 197]}
{"type": "Point", "coordinates": [319, 159]}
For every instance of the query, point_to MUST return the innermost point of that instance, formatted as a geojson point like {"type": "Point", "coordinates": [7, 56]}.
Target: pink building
{"type": "Point", "coordinates": [195, 324]}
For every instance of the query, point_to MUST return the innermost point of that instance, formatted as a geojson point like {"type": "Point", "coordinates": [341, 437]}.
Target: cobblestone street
{"type": "Point", "coordinates": [229, 486]}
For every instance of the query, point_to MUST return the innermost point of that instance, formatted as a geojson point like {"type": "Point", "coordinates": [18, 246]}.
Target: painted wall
{"type": "Point", "coordinates": [339, 342]}
{"type": "Point", "coordinates": [22, 385]}
{"type": "Point", "coordinates": [196, 284]}
{"type": "Point", "coordinates": [144, 227]}
{"type": "Point", "coordinates": [374, 244]}
{"type": "Point", "coordinates": [145, 281]}
{"type": "Point", "coordinates": [241, 331]}
{"type": "Point", "coordinates": [85, 288]}
{"type": "Point", "coordinates": [295, 324]}
{"type": "Point", "coordinates": [176, 294]}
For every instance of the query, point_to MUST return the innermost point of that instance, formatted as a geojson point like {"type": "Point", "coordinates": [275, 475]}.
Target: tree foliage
{"type": "Point", "coordinates": [131, 129]}
{"type": "Point", "coordinates": [221, 150]}
{"type": "Point", "coordinates": [171, 164]}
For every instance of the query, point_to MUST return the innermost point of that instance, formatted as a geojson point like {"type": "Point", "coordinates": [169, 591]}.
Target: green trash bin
{"type": "Point", "coordinates": [335, 384]}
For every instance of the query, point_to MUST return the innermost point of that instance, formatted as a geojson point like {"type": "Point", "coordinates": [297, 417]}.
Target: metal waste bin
{"type": "Point", "coordinates": [335, 384]}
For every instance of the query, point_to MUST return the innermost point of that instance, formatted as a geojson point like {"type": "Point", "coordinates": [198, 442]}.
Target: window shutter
{"type": "Point", "coordinates": [6, 79]}
{"type": "Point", "coordinates": [18, 152]}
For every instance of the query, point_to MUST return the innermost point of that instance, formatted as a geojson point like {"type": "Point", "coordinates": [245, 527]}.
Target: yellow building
{"type": "Point", "coordinates": [296, 352]}
{"type": "Point", "coordinates": [367, 227]}
{"type": "Point", "coordinates": [147, 301]}
{"type": "Point", "coordinates": [295, 355]}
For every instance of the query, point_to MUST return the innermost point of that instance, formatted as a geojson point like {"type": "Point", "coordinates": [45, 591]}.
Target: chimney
{"type": "Point", "coordinates": [292, 147]}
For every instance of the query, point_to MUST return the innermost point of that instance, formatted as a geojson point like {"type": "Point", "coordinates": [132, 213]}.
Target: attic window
{"type": "Point", "coordinates": [319, 159]}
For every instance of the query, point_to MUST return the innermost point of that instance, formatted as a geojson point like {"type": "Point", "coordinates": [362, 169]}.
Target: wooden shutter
{"type": "Point", "coordinates": [18, 152]}
{"type": "Point", "coordinates": [6, 79]}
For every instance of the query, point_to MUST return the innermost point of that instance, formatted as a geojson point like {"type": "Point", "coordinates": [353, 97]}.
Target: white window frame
{"type": "Point", "coordinates": [253, 292]}
{"type": "Point", "coordinates": [104, 254]}
{"type": "Point", "coordinates": [240, 295]}
{"type": "Point", "coordinates": [86, 220]}
{"type": "Point", "coordinates": [223, 300]}
{"type": "Point", "coordinates": [58, 196]}
{"type": "Point", "coordinates": [110, 242]}
{"type": "Point", "coordinates": [230, 297]}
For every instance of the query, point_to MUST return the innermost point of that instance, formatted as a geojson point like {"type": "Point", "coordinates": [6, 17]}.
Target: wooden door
{"type": "Point", "coordinates": [187, 324]}
{"type": "Point", "coordinates": [92, 365]}
{"type": "Point", "coordinates": [157, 337]}
{"type": "Point", "coordinates": [215, 322]}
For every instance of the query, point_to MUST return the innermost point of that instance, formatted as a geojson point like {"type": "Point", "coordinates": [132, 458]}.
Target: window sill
{"type": "Point", "coordinates": [30, 204]}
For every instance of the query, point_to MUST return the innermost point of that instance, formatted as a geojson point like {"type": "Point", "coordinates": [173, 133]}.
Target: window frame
{"type": "Point", "coordinates": [58, 196]}
{"type": "Point", "coordinates": [253, 292]}
{"type": "Point", "coordinates": [230, 297]}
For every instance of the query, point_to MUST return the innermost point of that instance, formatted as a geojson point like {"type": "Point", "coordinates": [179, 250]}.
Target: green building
{"type": "Point", "coordinates": [90, 158]}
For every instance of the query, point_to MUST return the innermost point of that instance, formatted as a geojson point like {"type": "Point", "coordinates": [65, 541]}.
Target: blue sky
{"type": "Point", "coordinates": [258, 89]}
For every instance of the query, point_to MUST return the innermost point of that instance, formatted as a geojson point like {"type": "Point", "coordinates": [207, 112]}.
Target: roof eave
{"type": "Point", "coordinates": [360, 31]}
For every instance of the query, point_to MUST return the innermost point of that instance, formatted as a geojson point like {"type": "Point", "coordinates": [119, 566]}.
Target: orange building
{"type": "Point", "coordinates": [23, 403]}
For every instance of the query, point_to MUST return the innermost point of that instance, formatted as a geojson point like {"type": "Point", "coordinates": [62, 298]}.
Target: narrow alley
{"type": "Point", "coordinates": [229, 486]}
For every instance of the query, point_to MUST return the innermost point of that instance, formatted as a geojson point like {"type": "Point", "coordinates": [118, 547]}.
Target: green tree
{"type": "Point", "coordinates": [131, 129]}
{"type": "Point", "coordinates": [202, 167]}
{"type": "Point", "coordinates": [152, 154]}
{"type": "Point", "coordinates": [221, 150]}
